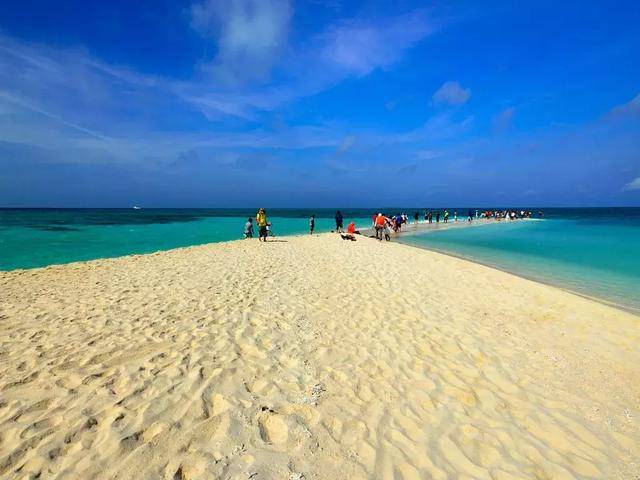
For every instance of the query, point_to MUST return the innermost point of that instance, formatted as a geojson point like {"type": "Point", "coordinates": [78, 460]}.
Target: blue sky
{"type": "Point", "coordinates": [319, 103]}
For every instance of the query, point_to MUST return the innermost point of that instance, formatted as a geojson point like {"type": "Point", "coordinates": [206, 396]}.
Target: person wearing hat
{"type": "Point", "coordinates": [261, 220]}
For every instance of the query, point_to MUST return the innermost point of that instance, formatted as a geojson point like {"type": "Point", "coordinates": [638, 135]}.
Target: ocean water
{"type": "Point", "coordinates": [595, 252]}
{"type": "Point", "coordinates": [591, 251]}
{"type": "Point", "coordinates": [39, 237]}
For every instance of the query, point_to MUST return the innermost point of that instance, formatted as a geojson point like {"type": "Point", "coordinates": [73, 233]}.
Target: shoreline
{"type": "Point", "coordinates": [423, 226]}
{"type": "Point", "coordinates": [368, 232]}
{"type": "Point", "coordinates": [603, 301]}
{"type": "Point", "coordinates": [483, 223]}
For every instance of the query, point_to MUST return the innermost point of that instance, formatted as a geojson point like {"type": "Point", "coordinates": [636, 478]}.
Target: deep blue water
{"type": "Point", "coordinates": [593, 251]}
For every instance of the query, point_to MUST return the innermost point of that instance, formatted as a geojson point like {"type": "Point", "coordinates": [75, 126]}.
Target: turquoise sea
{"type": "Point", "coordinates": [39, 237]}
{"type": "Point", "coordinates": [592, 251]}
{"type": "Point", "coordinates": [595, 252]}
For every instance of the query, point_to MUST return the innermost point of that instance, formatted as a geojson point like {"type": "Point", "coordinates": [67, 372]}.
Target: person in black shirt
{"type": "Point", "coordinates": [339, 219]}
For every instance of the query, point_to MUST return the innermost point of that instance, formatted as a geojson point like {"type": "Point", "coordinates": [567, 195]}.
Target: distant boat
{"type": "Point", "coordinates": [135, 207]}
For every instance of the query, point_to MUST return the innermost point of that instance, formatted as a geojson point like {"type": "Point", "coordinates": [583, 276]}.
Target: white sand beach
{"type": "Point", "coordinates": [311, 358]}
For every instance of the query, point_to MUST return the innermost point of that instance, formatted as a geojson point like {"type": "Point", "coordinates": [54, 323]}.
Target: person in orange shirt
{"type": "Point", "coordinates": [351, 232]}
{"type": "Point", "coordinates": [380, 219]}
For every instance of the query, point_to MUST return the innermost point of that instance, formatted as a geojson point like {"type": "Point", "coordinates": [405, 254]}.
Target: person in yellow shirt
{"type": "Point", "coordinates": [261, 220]}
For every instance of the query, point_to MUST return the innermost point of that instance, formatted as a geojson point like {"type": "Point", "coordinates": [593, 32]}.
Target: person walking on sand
{"type": "Point", "coordinates": [387, 231]}
{"type": "Point", "coordinates": [312, 223]}
{"type": "Point", "coordinates": [248, 228]}
{"type": "Point", "coordinates": [261, 220]}
{"type": "Point", "coordinates": [379, 225]}
{"type": "Point", "coordinates": [339, 220]}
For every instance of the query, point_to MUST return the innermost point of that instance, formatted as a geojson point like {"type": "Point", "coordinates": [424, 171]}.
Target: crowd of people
{"type": "Point", "coordinates": [383, 225]}
{"type": "Point", "coordinates": [509, 214]}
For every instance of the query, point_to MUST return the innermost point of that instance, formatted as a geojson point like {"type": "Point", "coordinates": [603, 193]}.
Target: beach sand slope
{"type": "Point", "coordinates": [313, 358]}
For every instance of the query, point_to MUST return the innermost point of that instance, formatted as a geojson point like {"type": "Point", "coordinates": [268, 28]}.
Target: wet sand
{"type": "Point", "coordinates": [311, 357]}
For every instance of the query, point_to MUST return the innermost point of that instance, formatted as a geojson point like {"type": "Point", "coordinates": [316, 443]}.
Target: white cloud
{"type": "Point", "coordinates": [347, 143]}
{"type": "Point", "coordinates": [427, 154]}
{"type": "Point", "coordinates": [632, 107]}
{"type": "Point", "coordinates": [452, 93]}
{"type": "Point", "coordinates": [633, 184]}
{"type": "Point", "coordinates": [85, 110]}
{"type": "Point", "coordinates": [503, 119]}
{"type": "Point", "coordinates": [360, 46]}
{"type": "Point", "coordinates": [250, 36]}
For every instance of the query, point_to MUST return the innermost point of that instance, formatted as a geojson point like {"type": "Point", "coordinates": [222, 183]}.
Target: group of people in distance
{"type": "Point", "coordinates": [264, 226]}
{"type": "Point", "coordinates": [384, 225]}
{"type": "Point", "coordinates": [510, 214]}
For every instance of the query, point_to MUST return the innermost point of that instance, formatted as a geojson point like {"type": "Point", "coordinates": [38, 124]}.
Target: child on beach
{"type": "Point", "coordinates": [387, 232]}
{"type": "Point", "coordinates": [248, 228]}
{"type": "Point", "coordinates": [312, 224]}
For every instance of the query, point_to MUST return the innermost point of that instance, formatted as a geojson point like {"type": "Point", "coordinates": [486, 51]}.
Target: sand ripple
{"type": "Point", "coordinates": [311, 358]}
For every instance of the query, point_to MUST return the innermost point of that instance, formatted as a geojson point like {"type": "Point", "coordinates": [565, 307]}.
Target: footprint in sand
{"type": "Point", "coordinates": [273, 429]}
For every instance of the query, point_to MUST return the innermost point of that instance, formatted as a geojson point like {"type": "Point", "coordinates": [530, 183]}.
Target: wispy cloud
{"type": "Point", "coordinates": [502, 120]}
{"type": "Point", "coordinates": [249, 36]}
{"type": "Point", "coordinates": [346, 143]}
{"type": "Point", "coordinates": [427, 154]}
{"type": "Point", "coordinates": [359, 46]}
{"type": "Point", "coordinates": [451, 93]}
{"type": "Point", "coordinates": [66, 99]}
{"type": "Point", "coordinates": [437, 128]}
{"type": "Point", "coordinates": [17, 101]}
{"type": "Point", "coordinates": [632, 107]}
{"type": "Point", "coordinates": [633, 184]}
{"type": "Point", "coordinates": [251, 41]}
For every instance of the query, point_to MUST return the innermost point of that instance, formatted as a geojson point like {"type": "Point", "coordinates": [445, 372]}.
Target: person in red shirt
{"type": "Point", "coordinates": [351, 232]}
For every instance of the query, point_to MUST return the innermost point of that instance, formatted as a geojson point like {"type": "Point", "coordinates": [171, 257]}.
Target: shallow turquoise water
{"type": "Point", "coordinates": [595, 256]}
{"type": "Point", "coordinates": [592, 251]}
{"type": "Point", "coordinates": [36, 238]}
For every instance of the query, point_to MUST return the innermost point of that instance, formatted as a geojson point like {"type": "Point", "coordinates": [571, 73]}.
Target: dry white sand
{"type": "Point", "coordinates": [311, 357]}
